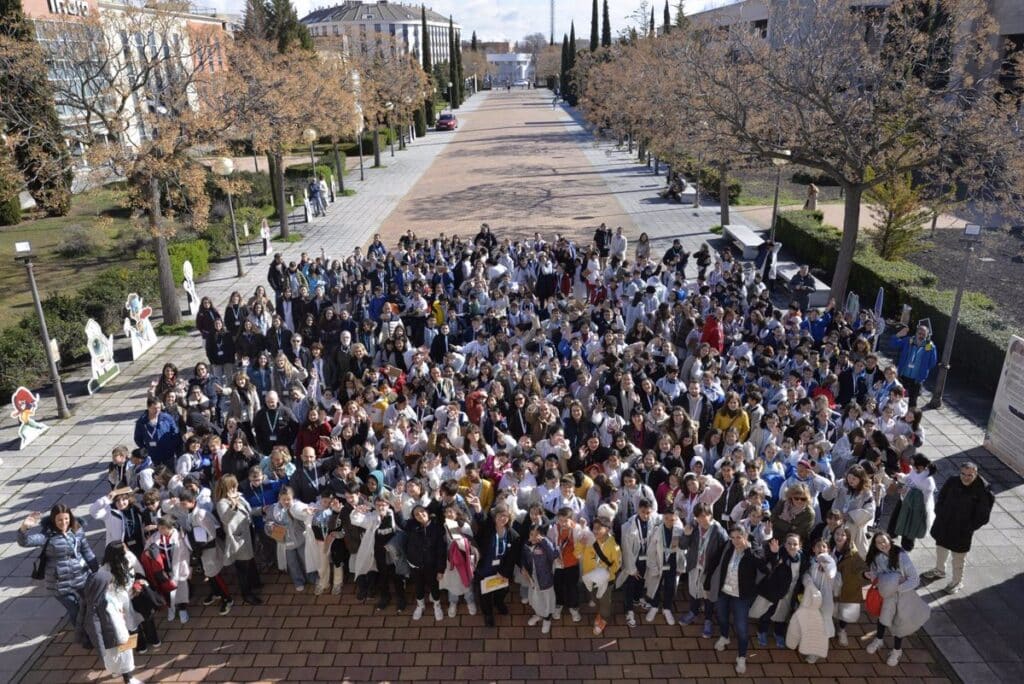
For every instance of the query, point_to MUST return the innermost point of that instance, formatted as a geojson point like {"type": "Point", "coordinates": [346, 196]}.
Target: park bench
{"type": "Point", "coordinates": [747, 240]}
{"type": "Point", "coordinates": [818, 298]}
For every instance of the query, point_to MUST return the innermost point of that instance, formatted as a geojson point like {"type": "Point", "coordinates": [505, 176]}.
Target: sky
{"type": "Point", "coordinates": [502, 19]}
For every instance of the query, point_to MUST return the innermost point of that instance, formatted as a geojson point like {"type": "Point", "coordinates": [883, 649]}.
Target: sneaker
{"type": "Point", "coordinates": [318, 590]}
{"type": "Point", "coordinates": [688, 618]}
{"type": "Point", "coordinates": [170, 614]}
{"type": "Point", "coordinates": [741, 665]}
{"type": "Point", "coordinates": [811, 659]}
{"type": "Point", "coordinates": [709, 629]}
{"type": "Point", "coordinates": [209, 600]}
{"type": "Point", "coordinates": [652, 613]}
{"type": "Point", "coordinates": [954, 588]}
{"type": "Point", "coordinates": [336, 590]}
{"type": "Point", "coordinates": [844, 640]}
{"type": "Point", "coordinates": [225, 606]}
{"type": "Point", "coordinates": [299, 588]}
{"type": "Point", "coordinates": [780, 641]}
{"type": "Point", "coordinates": [438, 613]}
{"type": "Point", "coordinates": [134, 680]}
{"type": "Point", "coordinates": [472, 608]}
{"type": "Point", "coordinates": [630, 619]}
{"type": "Point", "coordinates": [874, 646]}
{"type": "Point", "coordinates": [533, 621]}
{"type": "Point", "coordinates": [418, 612]}
{"type": "Point", "coordinates": [545, 627]}
{"type": "Point", "coordinates": [183, 615]}
{"type": "Point", "coordinates": [721, 643]}
{"type": "Point", "coordinates": [557, 615]}
{"type": "Point", "coordinates": [933, 574]}
{"type": "Point", "coordinates": [762, 639]}
{"type": "Point", "coordinates": [525, 600]}
{"type": "Point", "coordinates": [142, 649]}
{"type": "Point", "coordinates": [670, 619]}
{"type": "Point", "coordinates": [453, 609]}
{"type": "Point", "coordinates": [576, 617]}
{"type": "Point", "coordinates": [894, 657]}
{"type": "Point", "coordinates": [156, 645]}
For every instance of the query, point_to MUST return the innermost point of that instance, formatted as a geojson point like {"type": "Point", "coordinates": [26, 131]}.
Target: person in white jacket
{"type": "Point", "coordinates": [177, 552]}
{"type": "Point", "coordinates": [819, 578]}
{"type": "Point", "coordinates": [287, 523]}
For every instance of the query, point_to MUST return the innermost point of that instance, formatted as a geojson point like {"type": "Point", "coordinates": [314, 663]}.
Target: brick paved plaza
{"type": "Point", "coordinates": [521, 166]}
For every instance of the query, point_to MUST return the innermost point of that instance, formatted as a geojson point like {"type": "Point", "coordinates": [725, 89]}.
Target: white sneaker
{"type": "Point", "coordinates": [183, 615]}
{"type": "Point", "coordinates": [170, 614]}
{"type": "Point", "coordinates": [721, 643]}
{"type": "Point", "coordinates": [811, 659]}
{"type": "Point", "coordinates": [557, 615]}
{"type": "Point", "coordinates": [545, 627]}
{"type": "Point", "coordinates": [954, 588]}
{"type": "Point", "coordinates": [438, 613]}
{"type": "Point", "coordinates": [299, 588]}
{"type": "Point", "coordinates": [318, 590]}
{"type": "Point", "coordinates": [576, 617]}
{"type": "Point", "coordinates": [652, 613]}
{"type": "Point", "coordinates": [630, 619]}
{"type": "Point", "coordinates": [525, 601]}
{"type": "Point", "coordinates": [336, 590]}
{"type": "Point", "coordinates": [453, 609]}
{"type": "Point", "coordinates": [418, 612]}
{"type": "Point", "coordinates": [134, 680]}
{"type": "Point", "coordinates": [894, 657]}
{"type": "Point", "coordinates": [874, 646]}
{"type": "Point", "coordinates": [472, 608]}
{"type": "Point", "coordinates": [741, 665]}
{"type": "Point", "coordinates": [844, 640]}
{"type": "Point", "coordinates": [670, 619]}
{"type": "Point", "coordinates": [533, 621]}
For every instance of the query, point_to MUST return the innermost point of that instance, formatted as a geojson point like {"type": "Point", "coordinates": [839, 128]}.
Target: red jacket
{"type": "Point", "coordinates": [311, 437]}
{"type": "Point", "coordinates": [713, 334]}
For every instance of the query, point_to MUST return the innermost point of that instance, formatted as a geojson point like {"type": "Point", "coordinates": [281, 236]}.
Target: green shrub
{"type": "Point", "coordinates": [196, 251]}
{"type": "Point", "coordinates": [65, 321]}
{"type": "Point", "coordinates": [78, 241]}
{"type": "Point", "coordinates": [257, 195]}
{"type": "Point", "coordinates": [132, 239]}
{"type": "Point", "coordinates": [10, 211]}
{"type": "Point", "coordinates": [177, 329]}
{"type": "Point", "coordinates": [22, 359]}
{"type": "Point", "coordinates": [302, 171]}
{"type": "Point", "coordinates": [709, 179]}
{"type": "Point", "coordinates": [104, 296]}
{"type": "Point", "coordinates": [251, 215]}
{"type": "Point", "coordinates": [819, 179]}
{"type": "Point", "coordinates": [420, 122]}
{"type": "Point", "coordinates": [217, 237]}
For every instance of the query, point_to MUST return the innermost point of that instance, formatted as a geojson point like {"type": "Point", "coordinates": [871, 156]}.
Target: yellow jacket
{"type": "Point", "coordinates": [741, 422]}
{"type": "Point", "coordinates": [486, 494]}
{"type": "Point", "coordinates": [589, 560]}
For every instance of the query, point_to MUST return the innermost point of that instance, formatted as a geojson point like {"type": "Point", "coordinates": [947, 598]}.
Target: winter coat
{"type": "Point", "coordinates": [859, 510]}
{"type": "Point", "coordinates": [236, 520]}
{"type": "Point", "coordinates": [750, 564]}
{"type": "Point", "coordinates": [300, 534]}
{"type": "Point", "coordinates": [822, 575]}
{"type": "Point", "coordinates": [960, 512]}
{"type": "Point", "coordinates": [912, 519]}
{"type": "Point", "coordinates": [104, 623]}
{"type": "Point", "coordinates": [778, 579]}
{"type": "Point", "coordinates": [655, 552]}
{"type": "Point", "coordinates": [69, 558]}
{"type": "Point", "coordinates": [806, 632]}
{"type": "Point", "coordinates": [365, 558]}
{"type": "Point", "coordinates": [538, 560]}
{"type": "Point", "coordinates": [850, 581]}
{"type": "Point", "coordinates": [716, 544]}
{"type": "Point", "coordinates": [903, 610]}
{"type": "Point", "coordinates": [425, 546]}
{"type": "Point", "coordinates": [114, 520]}
{"type": "Point", "coordinates": [485, 542]}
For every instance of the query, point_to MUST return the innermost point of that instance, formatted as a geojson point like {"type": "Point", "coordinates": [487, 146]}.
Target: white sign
{"type": "Point", "coordinates": [1006, 423]}
{"type": "Point", "coordinates": [101, 350]}
{"type": "Point", "coordinates": [75, 8]}
{"type": "Point", "coordinates": [190, 287]}
{"type": "Point", "coordinates": [137, 326]}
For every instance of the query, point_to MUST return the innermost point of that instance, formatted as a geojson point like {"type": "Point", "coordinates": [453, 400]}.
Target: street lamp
{"type": "Point", "coordinates": [971, 237]}
{"type": "Point", "coordinates": [310, 136]}
{"type": "Point", "coordinates": [451, 99]}
{"type": "Point", "coordinates": [358, 126]}
{"type": "Point", "coordinates": [779, 163]}
{"type": "Point", "coordinates": [390, 107]}
{"type": "Point", "coordinates": [225, 166]}
{"type": "Point", "coordinates": [23, 253]}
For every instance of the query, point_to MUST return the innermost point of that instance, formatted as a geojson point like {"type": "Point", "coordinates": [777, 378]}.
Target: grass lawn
{"type": "Point", "coordinates": [98, 211]}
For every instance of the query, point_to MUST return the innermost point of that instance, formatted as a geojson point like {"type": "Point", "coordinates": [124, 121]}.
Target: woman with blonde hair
{"type": "Point", "coordinates": [284, 375]}
{"type": "Point", "coordinates": [235, 515]}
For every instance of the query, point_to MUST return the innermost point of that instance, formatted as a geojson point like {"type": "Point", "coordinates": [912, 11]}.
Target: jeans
{"type": "Point", "coordinates": [666, 594]}
{"type": "Point", "coordinates": [297, 568]}
{"type": "Point", "coordinates": [633, 590]}
{"type": "Point", "coordinates": [71, 602]}
{"type": "Point", "coordinates": [735, 611]}
{"type": "Point", "coordinates": [567, 591]}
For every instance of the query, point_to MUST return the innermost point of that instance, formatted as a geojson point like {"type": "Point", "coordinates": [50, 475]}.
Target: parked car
{"type": "Point", "coordinates": [447, 122]}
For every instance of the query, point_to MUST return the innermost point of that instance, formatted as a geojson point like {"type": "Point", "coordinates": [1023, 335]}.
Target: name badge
{"type": "Point", "coordinates": [152, 443]}
{"type": "Point", "coordinates": [496, 562]}
{"type": "Point", "coordinates": [666, 567]}
{"type": "Point", "coordinates": [272, 438]}
{"type": "Point", "coordinates": [642, 559]}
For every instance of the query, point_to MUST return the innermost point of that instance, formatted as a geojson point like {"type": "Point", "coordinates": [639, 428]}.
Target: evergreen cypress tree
{"type": "Point", "coordinates": [606, 28]}
{"type": "Point", "coordinates": [594, 28]}
{"type": "Point", "coordinates": [564, 68]}
{"type": "Point", "coordinates": [572, 63]}
{"type": "Point", "coordinates": [453, 69]}
{"type": "Point", "coordinates": [27, 106]}
{"type": "Point", "coordinates": [472, 42]}
{"type": "Point", "coordinates": [668, 19]}
{"type": "Point", "coordinates": [428, 67]}
{"type": "Point", "coordinates": [460, 85]}
{"type": "Point", "coordinates": [654, 30]}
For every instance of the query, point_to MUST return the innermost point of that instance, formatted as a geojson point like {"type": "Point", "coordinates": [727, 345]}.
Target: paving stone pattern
{"type": "Point", "coordinates": [300, 637]}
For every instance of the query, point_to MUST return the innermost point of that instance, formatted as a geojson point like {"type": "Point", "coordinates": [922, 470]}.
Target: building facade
{"type": "Point", "coordinates": [511, 68]}
{"type": "Point", "coordinates": [359, 22]}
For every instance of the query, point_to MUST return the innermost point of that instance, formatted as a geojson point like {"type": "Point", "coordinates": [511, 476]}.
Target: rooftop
{"type": "Point", "coordinates": [354, 10]}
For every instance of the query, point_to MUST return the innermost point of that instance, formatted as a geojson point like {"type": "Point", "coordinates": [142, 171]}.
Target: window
{"type": "Point", "coordinates": [760, 28]}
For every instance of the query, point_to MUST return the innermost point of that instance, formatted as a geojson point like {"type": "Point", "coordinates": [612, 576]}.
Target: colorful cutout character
{"type": "Point", "coordinates": [137, 326]}
{"type": "Point", "coordinates": [25, 404]}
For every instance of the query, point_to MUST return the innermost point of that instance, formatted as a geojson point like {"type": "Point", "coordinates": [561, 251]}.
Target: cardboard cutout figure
{"type": "Point", "coordinates": [137, 326]}
{"type": "Point", "coordinates": [268, 249]}
{"type": "Point", "coordinates": [101, 349]}
{"type": "Point", "coordinates": [190, 288]}
{"type": "Point", "coordinates": [25, 404]}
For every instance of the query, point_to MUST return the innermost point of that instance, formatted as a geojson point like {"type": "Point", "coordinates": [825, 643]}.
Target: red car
{"type": "Point", "coordinates": [447, 122]}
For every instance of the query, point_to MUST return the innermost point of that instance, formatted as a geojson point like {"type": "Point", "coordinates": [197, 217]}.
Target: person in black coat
{"type": "Point", "coordinates": [442, 343]}
{"type": "Point", "coordinates": [736, 586]}
{"type": "Point", "coordinates": [274, 425]}
{"type": "Point", "coordinates": [426, 553]}
{"type": "Point", "coordinates": [778, 588]}
{"type": "Point", "coordinates": [220, 347]}
{"type": "Point", "coordinates": [499, 548]}
{"type": "Point", "coordinates": [962, 508]}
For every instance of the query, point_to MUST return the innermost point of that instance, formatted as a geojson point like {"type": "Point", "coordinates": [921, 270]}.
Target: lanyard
{"type": "Point", "coordinates": [500, 544]}
{"type": "Point", "coordinates": [272, 426]}
{"type": "Point", "coordinates": [152, 431]}
{"type": "Point", "coordinates": [312, 480]}
{"type": "Point", "coordinates": [642, 533]}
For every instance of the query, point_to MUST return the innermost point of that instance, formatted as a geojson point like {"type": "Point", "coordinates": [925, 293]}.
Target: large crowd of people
{"type": "Point", "coordinates": [590, 429]}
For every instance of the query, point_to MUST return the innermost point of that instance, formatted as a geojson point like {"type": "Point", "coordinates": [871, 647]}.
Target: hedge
{"type": "Point", "coordinates": [302, 171]}
{"type": "Point", "coordinates": [982, 333]}
{"type": "Point", "coordinates": [10, 211]}
{"type": "Point", "coordinates": [820, 179]}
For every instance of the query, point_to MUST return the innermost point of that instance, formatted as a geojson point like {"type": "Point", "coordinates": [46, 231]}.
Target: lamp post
{"type": "Point", "coordinates": [779, 163]}
{"type": "Point", "coordinates": [23, 253]}
{"type": "Point", "coordinates": [390, 107]}
{"type": "Point", "coordinates": [451, 100]}
{"type": "Point", "coordinates": [971, 237]}
{"type": "Point", "coordinates": [224, 166]}
{"type": "Point", "coordinates": [310, 136]}
{"type": "Point", "coordinates": [358, 126]}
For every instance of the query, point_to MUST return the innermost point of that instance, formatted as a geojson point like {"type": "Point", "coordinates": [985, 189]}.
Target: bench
{"type": "Point", "coordinates": [816, 299]}
{"type": "Point", "coordinates": [747, 240]}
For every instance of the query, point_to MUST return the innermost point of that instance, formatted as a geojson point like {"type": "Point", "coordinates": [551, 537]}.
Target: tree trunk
{"type": "Point", "coordinates": [339, 168]}
{"type": "Point", "coordinates": [723, 193]}
{"type": "Point", "coordinates": [282, 208]}
{"type": "Point", "coordinates": [273, 180]}
{"type": "Point", "coordinates": [168, 295]}
{"type": "Point", "coordinates": [657, 166]}
{"type": "Point", "coordinates": [641, 150]}
{"type": "Point", "coordinates": [848, 245]}
{"type": "Point", "coordinates": [376, 147]}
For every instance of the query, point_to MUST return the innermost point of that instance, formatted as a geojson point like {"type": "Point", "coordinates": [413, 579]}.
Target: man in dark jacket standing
{"type": "Point", "coordinates": [425, 551]}
{"type": "Point", "coordinates": [962, 508]}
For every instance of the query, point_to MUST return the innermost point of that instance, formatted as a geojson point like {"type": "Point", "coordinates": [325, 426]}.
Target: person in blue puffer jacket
{"type": "Point", "coordinates": [917, 357]}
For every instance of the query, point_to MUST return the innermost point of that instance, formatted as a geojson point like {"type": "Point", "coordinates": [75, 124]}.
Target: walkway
{"type": "Point", "coordinates": [302, 637]}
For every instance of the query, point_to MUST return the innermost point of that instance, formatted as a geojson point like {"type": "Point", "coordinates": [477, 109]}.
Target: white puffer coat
{"type": "Point", "coordinates": [806, 632]}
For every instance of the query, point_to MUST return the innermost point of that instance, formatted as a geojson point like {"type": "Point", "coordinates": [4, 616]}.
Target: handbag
{"type": "Point", "coordinates": [39, 567]}
{"type": "Point", "coordinates": [873, 601]}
